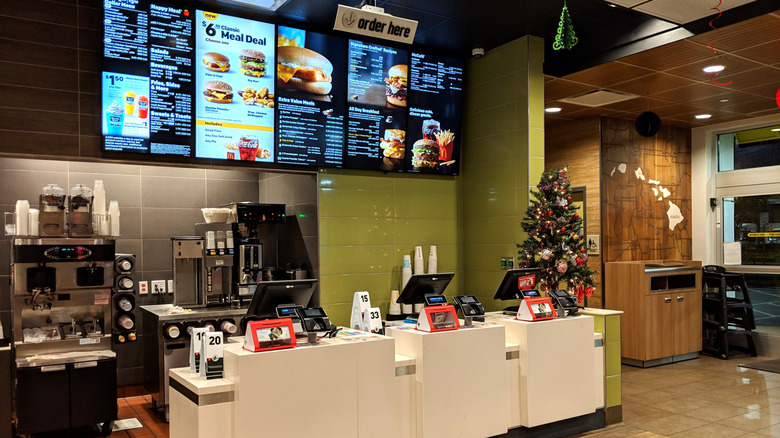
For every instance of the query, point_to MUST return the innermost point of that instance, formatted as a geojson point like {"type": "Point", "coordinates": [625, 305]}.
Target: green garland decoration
{"type": "Point", "coordinates": [565, 38]}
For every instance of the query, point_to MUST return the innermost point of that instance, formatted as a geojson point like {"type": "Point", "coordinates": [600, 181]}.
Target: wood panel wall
{"type": "Point", "coordinates": [577, 144]}
{"type": "Point", "coordinates": [636, 221]}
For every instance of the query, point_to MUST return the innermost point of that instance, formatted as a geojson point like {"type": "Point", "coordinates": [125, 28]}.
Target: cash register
{"type": "Point", "coordinates": [437, 315]}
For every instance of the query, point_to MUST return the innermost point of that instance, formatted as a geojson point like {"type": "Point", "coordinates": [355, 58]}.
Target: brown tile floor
{"type": "Point", "coordinates": [705, 397]}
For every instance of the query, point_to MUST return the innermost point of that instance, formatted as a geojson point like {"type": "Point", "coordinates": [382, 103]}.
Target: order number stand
{"type": "Point", "coordinates": [438, 319]}
{"type": "Point", "coordinates": [364, 317]}
{"type": "Point", "coordinates": [536, 309]}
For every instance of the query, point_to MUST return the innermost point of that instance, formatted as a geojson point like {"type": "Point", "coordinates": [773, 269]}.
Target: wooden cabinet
{"type": "Point", "coordinates": [661, 302]}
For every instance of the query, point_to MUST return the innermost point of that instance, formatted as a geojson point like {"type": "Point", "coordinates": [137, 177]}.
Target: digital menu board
{"type": "Point", "coordinates": [202, 84]}
{"type": "Point", "coordinates": [377, 94]}
{"type": "Point", "coordinates": [434, 114]}
{"type": "Point", "coordinates": [311, 98]}
{"type": "Point", "coordinates": [147, 78]}
{"type": "Point", "coordinates": [235, 81]}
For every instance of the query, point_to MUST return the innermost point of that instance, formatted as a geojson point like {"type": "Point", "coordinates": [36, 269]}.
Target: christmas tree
{"type": "Point", "coordinates": [555, 242]}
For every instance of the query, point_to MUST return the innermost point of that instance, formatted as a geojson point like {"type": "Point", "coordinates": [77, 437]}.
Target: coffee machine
{"type": "Point", "coordinates": [255, 238]}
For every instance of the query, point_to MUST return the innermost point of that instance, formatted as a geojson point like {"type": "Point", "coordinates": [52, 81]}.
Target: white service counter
{"type": "Point", "coordinates": [340, 387]}
{"type": "Point", "coordinates": [556, 361]}
{"type": "Point", "coordinates": [460, 379]}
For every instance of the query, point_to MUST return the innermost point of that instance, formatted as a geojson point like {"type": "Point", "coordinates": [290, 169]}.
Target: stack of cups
{"type": "Point", "coordinates": [99, 218]}
{"type": "Point", "coordinates": [113, 213]}
{"type": "Point", "coordinates": [433, 261]}
{"type": "Point", "coordinates": [406, 274]}
{"type": "Point", "coordinates": [419, 268]}
{"type": "Point", "coordinates": [22, 218]}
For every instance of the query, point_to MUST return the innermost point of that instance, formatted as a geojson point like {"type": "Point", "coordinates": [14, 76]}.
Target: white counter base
{"type": "Point", "coordinates": [460, 380]}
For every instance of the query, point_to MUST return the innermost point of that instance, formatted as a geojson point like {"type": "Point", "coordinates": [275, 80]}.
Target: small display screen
{"type": "Point", "coordinates": [285, 311]}
{"type": "Point", "coordinates": [530, 293]}
{"type": "Point", "coordinates": [273, 336]}
{"type": "Point", "coordinates": [541, 310]}
{"type": "Point", "coordinates": [314, 313]}
{"type": "Point", "coordinates": [438, 299]}
{"type": "Point", "coordinates": [468, 299]}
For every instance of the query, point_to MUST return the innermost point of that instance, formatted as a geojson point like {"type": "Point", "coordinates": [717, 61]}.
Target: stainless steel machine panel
{"type": "Point", "coordinates": [167, 341]}
{"type": "Point", "coordinates": [62, 287]}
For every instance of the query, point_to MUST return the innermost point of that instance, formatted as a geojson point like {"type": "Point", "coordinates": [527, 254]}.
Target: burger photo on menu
{"type": "Point", "coordinates": [299, 68]}
{"type": "Point", "coordinates": [218, 92]}
{"type": "Point", "coordinates": [396, 85]}
{"type": "Point", "coordinates": [393, 146]}
{"type": "Point", "coordinates": [252, 62]}
{"type": "Point", "coordinates": [425, 154]}
{"type": "Point", "coordinates": [216, 62]}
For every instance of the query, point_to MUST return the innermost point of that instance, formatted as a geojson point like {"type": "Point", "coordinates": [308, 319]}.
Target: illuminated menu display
{"type": "Point", "coordinates": [147, 78]}
{"type": "Point", "coordinates": [434, 114]}
{"type": "Point", "coordinates": [202, 84]}
{"type": "Point", "coordinates": [377, 93]}
{"type": "Point", "coordinates": [235, 82]}
{"type": "Point", "coordinates": [311, 98]}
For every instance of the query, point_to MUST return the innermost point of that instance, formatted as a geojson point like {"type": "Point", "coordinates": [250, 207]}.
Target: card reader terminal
{"type": "Point", "coordinates": [290, 311]}
{"type": "Point", "coordinates": [565, 304]}
{"type": "Point", "coordinates": [314, 319]}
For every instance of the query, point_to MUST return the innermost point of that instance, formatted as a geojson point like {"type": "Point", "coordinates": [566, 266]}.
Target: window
{"type": "Point", "coordinates": [749, 149]}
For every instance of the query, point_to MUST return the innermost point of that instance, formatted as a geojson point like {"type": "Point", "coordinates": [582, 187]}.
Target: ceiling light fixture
{"type": "Point", "coordinates": [724, 100]}
{"type": "Point", "coordinates": [703, 116]}
{"type": "Point", "coordinates": [775, 130]}
{"type": "Point", "coordinates": [552, 109]}
{"type": "Point", "coordinates": [710, 69]}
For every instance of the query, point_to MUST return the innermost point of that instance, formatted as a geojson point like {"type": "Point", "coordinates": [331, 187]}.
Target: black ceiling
{"type": "Point", "coordinates": [455, 27]}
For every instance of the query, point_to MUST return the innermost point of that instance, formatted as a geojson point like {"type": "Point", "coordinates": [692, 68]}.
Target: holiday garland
{"type": "Point", "coordinates": [555, 242]}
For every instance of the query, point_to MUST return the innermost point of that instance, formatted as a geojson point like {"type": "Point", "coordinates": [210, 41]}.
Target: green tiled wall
{"type": "Point", "coordinates": [609, 327]}
{"type": "Point", "coordinates": [503, 156]}
{"type": "Point", "coordinates": [369, 221]}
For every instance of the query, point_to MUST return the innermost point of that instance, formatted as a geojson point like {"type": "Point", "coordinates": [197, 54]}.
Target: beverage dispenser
{"type": "Point", "coordinates": [80, 211]}
{"type": "Point", "coordinates": [51, 219]}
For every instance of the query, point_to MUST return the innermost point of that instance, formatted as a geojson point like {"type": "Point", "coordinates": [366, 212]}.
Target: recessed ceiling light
{"type": "Point", "coordinates": [611, 5]}
{"type": "Point", "coordinates": [775, 130]}
{"type": "Point", "coordinates": [552, 109]}
{"type": "Point", "coordinates": [713, 69]}
{"type": "Point", "coordinates": [703, 116]}
{"type": "Point", "coordinates": [724, 100]}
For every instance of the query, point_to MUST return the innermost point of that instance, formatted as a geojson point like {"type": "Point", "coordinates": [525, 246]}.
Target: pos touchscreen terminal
{"type": "Point", "coordinates": [516, 285]}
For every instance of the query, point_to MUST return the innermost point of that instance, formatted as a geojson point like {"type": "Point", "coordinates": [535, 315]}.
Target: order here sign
{"type": "Point", "coordinates": [375, 24]}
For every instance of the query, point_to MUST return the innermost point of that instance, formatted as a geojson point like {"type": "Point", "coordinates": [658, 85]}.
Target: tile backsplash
{"type": "Point", "coordinates": [157, 202]}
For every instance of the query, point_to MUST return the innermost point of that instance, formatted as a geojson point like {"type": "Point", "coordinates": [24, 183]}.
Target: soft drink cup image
{"type": "Point", "coordinates": [143, 107]}
{"type": "Point", "coordinates": [129, 103]}
{"type": "Point", "coordinates": [247, 148]}
{"type": "Point", "coordinates": [115, 119]}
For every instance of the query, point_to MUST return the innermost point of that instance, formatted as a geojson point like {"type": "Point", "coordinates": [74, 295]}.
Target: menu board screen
{"type": "Point", "coordinates": [311, 98]}
{"type": "Point", "coordinates": [434, 114]}
{"type": "Point", "coordinates": [147, 78]}
{"type": "Point", "coordinates": [206, 85]}
{"type": "Point", "coordinates": [235, 83]}
{"type": "Point", "coordinates": [377, 94]}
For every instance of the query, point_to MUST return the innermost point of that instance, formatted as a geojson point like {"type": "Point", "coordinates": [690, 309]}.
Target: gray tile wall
{"type": "Point", "coordinates": [298, 191]}
{"type": "Point", "coordinates": [157, 202]}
